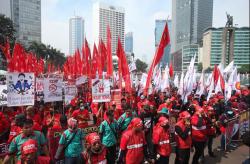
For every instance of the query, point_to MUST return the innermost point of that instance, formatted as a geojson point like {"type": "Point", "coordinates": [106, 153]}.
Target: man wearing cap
{"type": "Point", "coordinates": [211, 129]}
{"type": "Point", "coordinates": [95, 152]}
{"type": "Point", "coordinates": [199, 132]}
{"type": "Point", "coordinates": [183, 138]}
{"type": "Point", "coordinates": [161, 140]}
{"type": "Point", "coordinates": [37, 121]}
{"type": "Point", "coordinates": [27, 133]}
{"type": "Point", "coordinates": [71, 142]}
{"type": "Point", "coordinates": [133, 144]}
{"type": "Point", "coordinates": [109, 135]}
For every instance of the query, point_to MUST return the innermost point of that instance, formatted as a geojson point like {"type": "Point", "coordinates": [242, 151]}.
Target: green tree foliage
{"type": "Point", "coordinates": [245, 68]}
{"type": "Point", "coordinates": [140, 65]}
{"type": "Point", "coordinates": [47, 52]}
{"type": "Point", "coordinates": [6, 29]}
{"type": "Point", "coordinates": [200, 67]}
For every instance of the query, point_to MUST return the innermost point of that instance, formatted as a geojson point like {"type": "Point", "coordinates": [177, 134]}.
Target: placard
{"type": "Point", "coordinates": [101, 90]}
{"type": "Point", "coordinates": [53, 88]}
{"type": "Point", "coordinates": [70, 91]}
{"type": "Point", "coordinates": [3, 95]}
{"type": "Point", "coordinates": [20, 88]}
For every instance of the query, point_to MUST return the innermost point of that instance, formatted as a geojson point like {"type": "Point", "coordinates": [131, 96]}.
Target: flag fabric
{"type": "Point", "coordinates": [94, 61]}
{"type": "Point", "coordinates": [218, 87]}
{"type": "Point", "coordinates": [171, 70]}
{"type": "Point", "coordinates": [87, 57]}
{"type": "Point", "coordinates": [181, 85]}
{"type": "Point", "coordinates": [109, 54]}
{"type": "Point", "coordinates": [6, 50]}
{"type": "Point", "coordinates": [229, 68]}
{"type": "Point", "coordinates": [165, 40]}
{"type": "Point", "coordinates": [176, 81]}
{"type": "Point", "coordinates": [201, 86]}
{"type": "Point", "coordinates": [123, 66]}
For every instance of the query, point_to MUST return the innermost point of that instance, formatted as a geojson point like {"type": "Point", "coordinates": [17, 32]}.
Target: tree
{"type": "Point", "coordinates": [208, 70]}
{"type": "Point", "coordinates": [6, 29]}
{"type": "Point", "coordinates": [245, 68]}
{"type": "Point", "coordinates": [140, 65]}
{"type": "Point", "coordinates": [200, 67]}
{"type": "Point", "coordinates": [47, 52]}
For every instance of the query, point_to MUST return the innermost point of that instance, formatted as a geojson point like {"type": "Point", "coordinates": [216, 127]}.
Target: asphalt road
{"type": "Point", "coordinates": [236, 156]}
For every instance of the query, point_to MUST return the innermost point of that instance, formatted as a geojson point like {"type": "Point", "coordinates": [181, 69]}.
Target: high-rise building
{"type": "Point", "coordinates": [129, 42]}
{"type": "Point", "coordinates": [114, 16]}
{"type": "Point", "coordinates": [5, 8]}
{"type": "Point", "coordinates": [188, 52]}
{"type": "Point", "coordinates": [190, 19]}
{"type": "Point", "coordinates": [76, 34]}
{"type": "Point", "coordinates": [26, 16]}
{"type": "Point", "coordinates": [159, 27]}
{"type": "Point", "coordinates": [212, 47]}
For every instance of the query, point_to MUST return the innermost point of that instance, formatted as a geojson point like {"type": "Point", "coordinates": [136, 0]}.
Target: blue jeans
{"type": "Point", "coordinates": [222, 141]}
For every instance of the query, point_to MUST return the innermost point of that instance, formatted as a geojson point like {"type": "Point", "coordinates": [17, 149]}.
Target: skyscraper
{"type": "Point", "coordinates": [76, 34]}
{"type": "Point", "coordinates": [190, 19]}
{"type": "Point", "coordinates": [5, 8]}
{"type": "Point", "coordinates": [26, 16]}
{"type": "Point", "coordinates": [129, 42]}
{"type": "Point", "coordinates": [104, 15]}
{"type": "Point", "coordinates": [159, 27]}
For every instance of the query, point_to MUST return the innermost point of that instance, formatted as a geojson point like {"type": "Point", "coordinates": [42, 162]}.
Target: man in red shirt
{"type": "Point", "coordinates": [82, 116]}
{"type": "Point", "coordinates": [199, 132]}
{"type": "Point", "coordinates": [37, 121]}
{"type": "Point", "coordinates": [133, 144]}
{"type": "Point", "coordinates": [161, 140]}
{"type": "Point", "coordinates": [183, 138]}
{"type": "Point", "coordinates": [16, 127]}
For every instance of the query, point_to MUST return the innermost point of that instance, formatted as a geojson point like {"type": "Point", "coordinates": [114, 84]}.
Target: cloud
{"type": "Point", "coordinates": [162, 15]}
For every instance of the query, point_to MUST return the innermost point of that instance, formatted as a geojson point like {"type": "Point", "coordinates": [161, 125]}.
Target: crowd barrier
{"type": "Point", "coordinates": [236, 127]}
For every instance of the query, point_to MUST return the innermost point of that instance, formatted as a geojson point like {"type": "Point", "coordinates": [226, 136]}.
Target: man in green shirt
{"type": "Point", "coordinates": [72, 139]}
{"type": "Point", "coordinates": [109, 133]}
{"type": "Point", "coordinates": [126, 118]}
{"type": "Point", "coordinates": [27, 133]}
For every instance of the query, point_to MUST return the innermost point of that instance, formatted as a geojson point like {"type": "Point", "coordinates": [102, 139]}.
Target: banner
{"type": "Point", "coordinates": [70, 91]}
{"type": "Point", "coordinates": [244, 122]}
{"type": "Point", "coordinates": [100, 90]}
{"type": "Point", "coordinates": [53, 88]}
{"type": "Point", "coordinates": [81, 80]}
{"type": "Point", "coordinates": [3, 95]}
{"type": "Point", "coordinates": [20, 88]}
{"type": "Point", "coordinates": [39, 88]}
{"type": "Point", "coordinates": [231, 130]}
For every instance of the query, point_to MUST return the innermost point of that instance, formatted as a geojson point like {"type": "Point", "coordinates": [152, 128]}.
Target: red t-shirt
{"type": "Point", "coordinates": [81, 116]}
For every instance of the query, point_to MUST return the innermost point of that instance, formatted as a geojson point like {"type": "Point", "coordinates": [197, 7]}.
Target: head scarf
{"type": "Point", "coordinates": [135, 123]}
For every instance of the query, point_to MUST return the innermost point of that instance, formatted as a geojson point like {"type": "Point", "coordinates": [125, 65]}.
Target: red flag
{"type": "Point", "coordinates": [171, 70]}
{"type": "Point", "coordinates": [6, 50]}
{"type": "Point", "coordinates": [123, 66]}
{"type": "Point", "coordinates": [217, 74]}
{"type": "Point", "coordinates": [109, 54]}
{"type": "Point", "coordinates": [103, 55]}
{"type": "Point", "coordinates": [165, 39]}
{"type": "Point", "coordinates": [94, 61]}
{"type": "Point", "coordinates": [87, 57]}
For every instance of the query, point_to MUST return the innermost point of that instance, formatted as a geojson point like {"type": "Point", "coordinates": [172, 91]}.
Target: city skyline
{"type": "Point", "coordinates": [139, 20]}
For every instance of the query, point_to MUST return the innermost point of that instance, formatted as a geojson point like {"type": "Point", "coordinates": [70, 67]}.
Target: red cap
{"type": "Point", "coordinates": [91, 138]}
{"type": "Point", "coordinates": [184, 115]}
{"type": "Point", "coordinates": [163, 121]}
{"type": "Point", "coordinates": [135, 123]}
{"type": "Point", "coordinates": [29, 146]}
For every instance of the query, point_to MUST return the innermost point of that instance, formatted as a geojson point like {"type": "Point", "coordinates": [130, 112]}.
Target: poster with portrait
{"type": "Point", "coordinates": [70, 91]}
{"type": "Point", "coordinates": [101, 90]}
{"type": "Point", "coordinates": [53, 88]}
{"type": "Point", "coordinates": [20, 88]}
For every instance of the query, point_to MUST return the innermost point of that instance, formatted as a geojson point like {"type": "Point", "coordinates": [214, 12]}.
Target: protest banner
{"type": "Point", "coordinates": [81, 80]}
{"type": "Point", "coordinates": [70, 91]}
{"type": "Point", "coordinates": [20, 88]}
{"type": "Point", "coordinates": [53, 88]}
{"type": "Point", "coordinates": [116, 96]}
{"type": "Point", "coordinates": [101, 90]}
{"type": "Point", "coordinates": [231, 130]}
{"type": "Point", "coordinates": [3, 95]}
{"type": "Point", "coordinates": [39, 88]}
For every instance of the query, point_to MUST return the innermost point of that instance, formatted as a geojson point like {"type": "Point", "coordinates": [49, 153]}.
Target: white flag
{"type": "Point", "coordinates": [229, 68]}
{"type": "Point", "coordinates": [176, 82]}
{"type": "Point", "coordinates": [218, 86]}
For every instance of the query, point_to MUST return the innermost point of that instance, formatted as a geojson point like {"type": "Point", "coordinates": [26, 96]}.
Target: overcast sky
{"type": "Point", "coordinates": [140, 18]}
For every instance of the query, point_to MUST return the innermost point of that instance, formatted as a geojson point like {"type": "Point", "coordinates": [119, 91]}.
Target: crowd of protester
{"type": "Point", "coordinates": [138, 129]}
